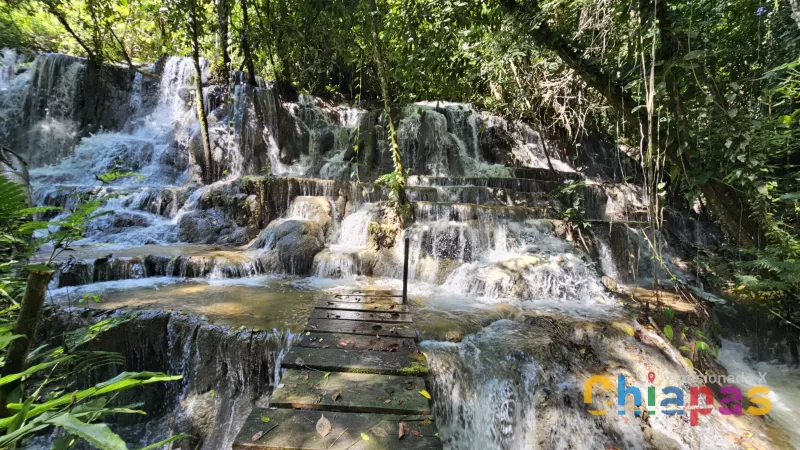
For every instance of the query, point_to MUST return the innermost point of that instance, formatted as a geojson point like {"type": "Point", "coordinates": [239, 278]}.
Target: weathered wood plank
{"type": "Point", "coordinates": [366, 299]}
{"type": "Point", "coordinates": [296, 430]}
{"type": "Point", "coordinates": [369, 316]}
{"type": "Point", "coordinates": [358, 327]}
{"type": "Point", "coordinates": [361, 361]}
{"type": "Point", "coordinates": [354, 392]}
{"type": "Point", "coordinates": [353, 306]}
{"type": "Point", "coordinates": [357, 342]}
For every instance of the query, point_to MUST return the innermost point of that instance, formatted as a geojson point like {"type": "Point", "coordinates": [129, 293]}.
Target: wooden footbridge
{"type": "Point", "coordinates": [355, 381]}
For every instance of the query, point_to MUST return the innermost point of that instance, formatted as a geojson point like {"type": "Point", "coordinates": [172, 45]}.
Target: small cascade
{"type": "Point", "coordinates": [349, 255]}
{"type": "Point", "coordinates": [199, 263]}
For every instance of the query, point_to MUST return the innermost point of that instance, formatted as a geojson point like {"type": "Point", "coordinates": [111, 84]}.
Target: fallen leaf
{"type": "Point", "coordinates": [402, 430]}
{"type": "Point", "coordinates": [400, 402]}
{"type": "Point", "coordinates": [382, 398]}
{"type": "Point", "coordinates": [264, 419]}
{"type": "Point", "coordinates": [426, 422]}
{"type": "Point", "coordinates": [292, 385]}
{"type": "Point", "coordinates": [326, 346]}
{"type": "Point", "coordinates": [307, 333]}
{"type": "Point", "coordinates": [364, 436]}
{"type": "Point", "coordinates": [300, 362]}
{"type": "Point", "coordinates": [380, 432]}
{"type": "Point", "coordinates": [323, 426]}
{"type": "Point", "coordinates": [416, 433]}
{"type": "Point", "coordinates": [425, 394]}
{"type": "Point", "coordinates": [327, 374]}
{"type": "Point", "coordinates": [258, 435]}
{"type": "Point", "coordinates": [387, 402]}
{"type": "Point", "coordinates": [337, 395]}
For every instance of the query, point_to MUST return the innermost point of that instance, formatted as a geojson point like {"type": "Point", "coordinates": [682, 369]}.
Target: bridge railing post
{"type": "Point", "coordinates": [405, 272]}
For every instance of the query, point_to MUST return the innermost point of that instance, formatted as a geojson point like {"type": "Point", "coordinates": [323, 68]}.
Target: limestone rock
{"type": "Point", "coordinates": [290, 245]}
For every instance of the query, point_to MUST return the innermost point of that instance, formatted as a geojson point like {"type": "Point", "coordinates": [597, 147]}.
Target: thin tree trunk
{"type": "Point", "coordinates": [27, 322]}
{"type": "Point", "coordinates": [387, 102]}
{"type": "Point", "coordinates": [223, 13]}
{"type": "Point", "coordinates": [198, 83]}
{"type": "Point", "coordinates": [248, 56]}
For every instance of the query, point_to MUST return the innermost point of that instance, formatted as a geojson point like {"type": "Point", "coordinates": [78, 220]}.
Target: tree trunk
{"type": "Point", "coordinates": [383, 74]}
{"type": "Point", "coordinates": [27, 322]}
{"type": "Point", "coordinates": [223, 14]}
{"type": "Point", "coordinates": [248, 56]}
{"type": "Point", "coordinates": [198, 85]}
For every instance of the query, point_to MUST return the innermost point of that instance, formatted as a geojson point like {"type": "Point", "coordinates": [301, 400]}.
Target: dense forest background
{"type": "Point", "coordinates": [703, 93]}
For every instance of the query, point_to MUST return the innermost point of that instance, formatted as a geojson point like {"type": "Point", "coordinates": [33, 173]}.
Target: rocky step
{"type": "Point", "coordinates": [518, 184]}
{"type": "Point", "coordinates": [293, 429]}
{"type": "Point", "coordinates": [465, 212]}
{"type": "Point", "coordinates": [198, 262]}
{"type": "Point", "coordinates": [481, 195]}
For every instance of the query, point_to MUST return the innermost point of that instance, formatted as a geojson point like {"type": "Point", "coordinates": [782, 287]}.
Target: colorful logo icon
{"type": "Point", "coordinates": [672, 399]}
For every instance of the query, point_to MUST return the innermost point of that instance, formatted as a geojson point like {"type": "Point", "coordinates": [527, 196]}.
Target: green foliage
{"type": "Point", "coordinates": [668, 332]}
{"type": "Point", "coordinates": [570, 194]}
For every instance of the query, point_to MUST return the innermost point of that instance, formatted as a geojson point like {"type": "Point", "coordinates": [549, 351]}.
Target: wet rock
{"type": "Point", "coordinates": [186, 95]}
{"type": "Point", "coordinates": [324, 141]}
{"type": "Point", "coordinates": [127, 220]}
{"type": "Point", "coordinates": [495, 142]}
{"type": "Point", "coordinates": [202, 227]}
{"type": "Point", "coordinates": [316, 209]}
{"type": "Point", "coordinates": [291, 245]}
{"type": "Point", "coordinates": [225, 371]}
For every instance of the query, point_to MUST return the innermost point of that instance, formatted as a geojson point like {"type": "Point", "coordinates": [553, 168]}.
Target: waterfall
{"type": "Point", "coordinates": [345, 257]}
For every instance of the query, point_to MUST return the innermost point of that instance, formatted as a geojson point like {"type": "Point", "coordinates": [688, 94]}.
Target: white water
{"type": "Point", "coordinates": [784, 382]}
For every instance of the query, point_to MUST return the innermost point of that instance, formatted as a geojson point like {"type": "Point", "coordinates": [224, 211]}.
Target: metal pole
{"type": "Point", "coordinates": [405, 272]}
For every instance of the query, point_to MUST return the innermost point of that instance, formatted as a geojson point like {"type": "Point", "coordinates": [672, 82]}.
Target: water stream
{"type": "Point", "coordinates": [514, 315]}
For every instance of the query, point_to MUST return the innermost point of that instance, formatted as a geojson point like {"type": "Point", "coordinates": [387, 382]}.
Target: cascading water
{"type": "Point", "coordinates": [484, 242]}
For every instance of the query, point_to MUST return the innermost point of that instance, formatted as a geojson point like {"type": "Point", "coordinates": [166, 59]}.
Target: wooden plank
{"type": "Point", "coordinates": [358, 327]}
{"type": "Point", "coordinates": [353, 306]}
{"type": "Point", "coordinates": [360, 392]}
{"type": "Point", "coordinates": [362, 361]}
{"type": "Point", "coordinates": [356, 342]}
{"type": "Point", "coordinates": [296, 430]}
{"type": "Point", "coordinates": [366, 298]}
{"type": "Point", "coordinates": [369, 316]}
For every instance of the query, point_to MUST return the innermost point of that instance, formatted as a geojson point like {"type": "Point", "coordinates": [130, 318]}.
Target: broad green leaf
{"type": "Point", "coordinates": [160, 444]}
{"type": "Point", "coordinates": [98, 435]}
{"type": "Point", "coordinates": [668, 331]}
{"type": "Point", "coordinates": [702, 346]}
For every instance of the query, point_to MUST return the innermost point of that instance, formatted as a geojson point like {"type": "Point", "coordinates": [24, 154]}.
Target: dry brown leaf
{"type": "Point", "coordinates": [402, 430]}
{"type": "Point", "coordinates": [416, 433]}
{"type": "Point", "coordinates": [382, 398]}
{"type": "Point", "coordinates": [387, 402]}
{"type": "Point", "coordinates": [426, 422]}
{"type": "Point", "coordinates": [323, 426]}
{"type": "Point", "coordinates": [258, 435]}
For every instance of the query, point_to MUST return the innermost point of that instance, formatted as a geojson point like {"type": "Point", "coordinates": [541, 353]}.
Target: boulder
{"type": "Point", "coordinates": [324, 140]}
{"type": "Point", "coordinates": [495, 141]}
{"type": "Point", "coordinates": [128, 220]}
{"type": "Point", "coordinates": [316, 209]}
{"type": "Point", "coordinates": [290, 245]}
{"type": "Point", "coordinates": [202, 227]}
